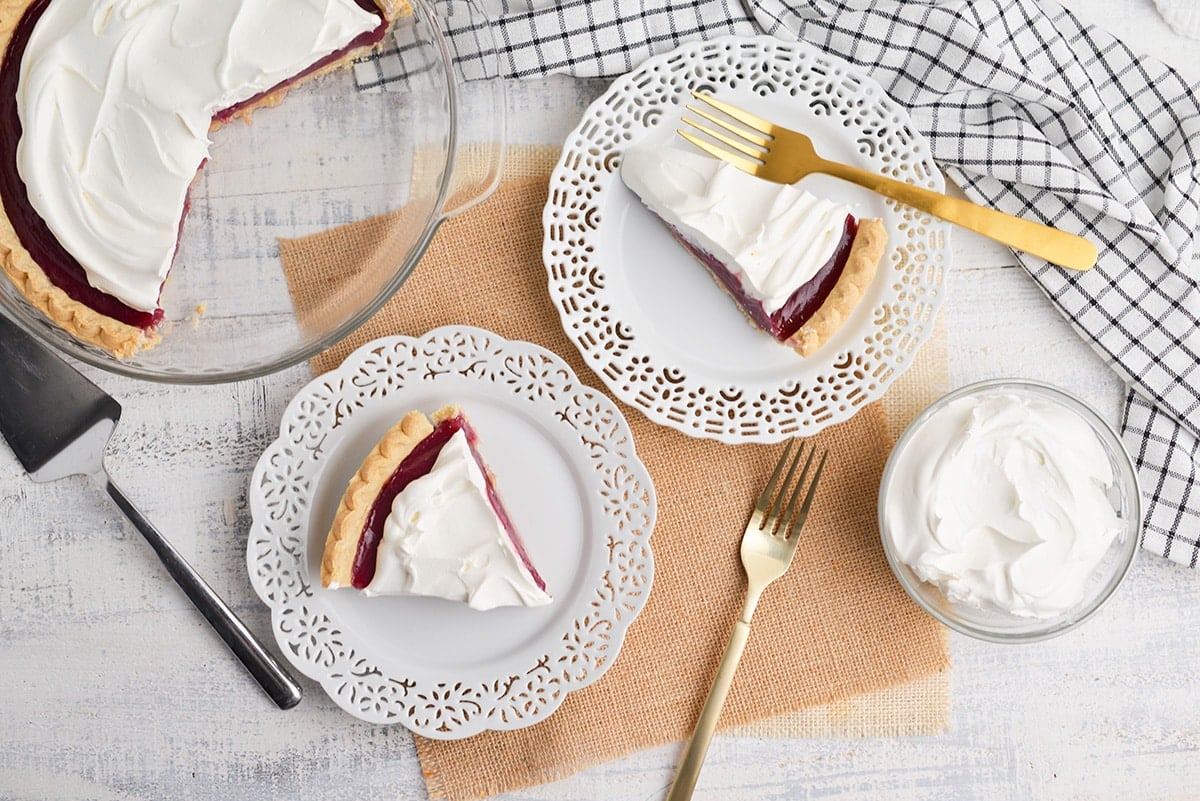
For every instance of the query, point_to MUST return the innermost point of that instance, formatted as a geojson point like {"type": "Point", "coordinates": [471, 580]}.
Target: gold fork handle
{"type": "Point", "coordinates": [1055, 246]}
{"type": "Point", "coordinates": [697, 748]}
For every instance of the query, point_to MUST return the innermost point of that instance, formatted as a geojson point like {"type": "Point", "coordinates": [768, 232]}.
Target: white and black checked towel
{"type": "Point", "coordinates": [1029, 111]}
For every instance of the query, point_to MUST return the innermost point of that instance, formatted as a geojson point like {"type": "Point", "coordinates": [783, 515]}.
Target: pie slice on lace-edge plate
{"type": "Point", "coordinates": [422, 516]}
{"type": "Point", "coordinates": [94, 176]}
{"type": "Point", "coordinates": [797, 265]}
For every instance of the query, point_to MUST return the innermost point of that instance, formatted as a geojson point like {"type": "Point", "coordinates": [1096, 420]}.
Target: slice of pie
{"type": "Point", "coordinates": [797, 265]}
{"type": "Point", "coordinates": [105, 111]}
{"type": "Point", "coordinates": [422, 517]}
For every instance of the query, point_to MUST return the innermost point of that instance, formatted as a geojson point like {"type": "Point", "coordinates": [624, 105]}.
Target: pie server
{"type": "Point", "coordinates": [58, 424]}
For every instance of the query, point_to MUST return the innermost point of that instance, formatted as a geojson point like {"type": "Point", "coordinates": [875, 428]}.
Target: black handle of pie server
{"type": "Point", "coordinates": [273, 678]}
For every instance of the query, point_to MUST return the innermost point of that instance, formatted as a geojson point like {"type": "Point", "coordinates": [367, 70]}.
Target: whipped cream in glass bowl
{"type": "Point", "coordinates": [1009, 510]}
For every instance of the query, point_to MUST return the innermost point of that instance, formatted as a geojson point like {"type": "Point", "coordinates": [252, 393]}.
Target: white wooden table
{"type": "Point", "coordinates": [112, 687]}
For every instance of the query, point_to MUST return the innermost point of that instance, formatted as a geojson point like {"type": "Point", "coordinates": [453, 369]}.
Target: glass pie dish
{"type": "Point", "coordinates": [386, 148]}
{"type": "Point", "coordinates": [922, 449]}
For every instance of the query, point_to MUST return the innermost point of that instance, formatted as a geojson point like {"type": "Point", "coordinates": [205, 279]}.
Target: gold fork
{"type": "Point", "coordinates": [767, 549]}
{"type": "Point", "coordinates": [785, 156]}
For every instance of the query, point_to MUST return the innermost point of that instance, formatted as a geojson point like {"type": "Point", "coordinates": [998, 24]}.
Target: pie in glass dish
{"type": "Point", "coordinates": [105, 111]}
{"type": "Point", "coordinates": [422, 517]}
{"type": "Point", "coordinates": [797, 265]}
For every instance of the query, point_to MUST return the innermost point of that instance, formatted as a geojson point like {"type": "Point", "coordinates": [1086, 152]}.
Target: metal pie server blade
{"type": "Point", "coordinates": [58, 424]}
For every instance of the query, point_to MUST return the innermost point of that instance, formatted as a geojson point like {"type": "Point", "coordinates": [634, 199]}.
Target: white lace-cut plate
{"type": "Point", "coordinates": [565, 465]}
{"type": "Point", "coordinates": [650, 320]}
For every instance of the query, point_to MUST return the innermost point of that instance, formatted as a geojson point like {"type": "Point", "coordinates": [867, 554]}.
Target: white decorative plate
{"type": "Point", "coordinates": [565, 464]}
{"type": "Point", "coordinates": [648, 318]}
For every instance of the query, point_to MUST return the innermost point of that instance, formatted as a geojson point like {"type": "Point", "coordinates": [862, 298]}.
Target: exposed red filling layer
{"type": "Point", "coordinates": [418, 463]}
{"type": "Point", "coordinates": [60, 266]}
{"type": "Point", "coordinates": [801, 305]}
{"type": "Point", "coordinates": [367, 39]}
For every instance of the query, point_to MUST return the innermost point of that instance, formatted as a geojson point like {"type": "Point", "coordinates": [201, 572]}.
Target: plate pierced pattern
{"type": "Point", "coordinates": [894, 319]}
{"type": "Point", "coordinates": [618, 488]}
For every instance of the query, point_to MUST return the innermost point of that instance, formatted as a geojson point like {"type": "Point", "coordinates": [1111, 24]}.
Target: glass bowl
{"type": "Point", "coordinates": [994, 625]}
{"type": "Point", "coordinates": [397, 133]}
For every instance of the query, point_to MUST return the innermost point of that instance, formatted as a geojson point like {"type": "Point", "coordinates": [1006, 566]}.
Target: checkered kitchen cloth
{"type": "Point", "coordinates": [1029, 111]}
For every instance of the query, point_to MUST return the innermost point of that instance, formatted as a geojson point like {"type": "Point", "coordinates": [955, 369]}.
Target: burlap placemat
{"type": "Point", "coordinates": [837, 627]}
{"type": "Point", "coordinates": [921, 707]}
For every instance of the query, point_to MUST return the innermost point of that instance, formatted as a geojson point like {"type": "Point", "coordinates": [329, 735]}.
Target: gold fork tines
{"type": "Point", "coordinates": [774, 153]}
{"type": "Point", "coordinates": [792, 520]}
{"type": "Point", "coordinates": [768, 545]}
{"type": "Point", "coordinates": [741, 162]}
{"type": "Point", "coordinates": [744, 140]}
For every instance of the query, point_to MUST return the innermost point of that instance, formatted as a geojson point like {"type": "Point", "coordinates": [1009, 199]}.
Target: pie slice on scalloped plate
{"type": "Point", "coordinates": [95, 173]}
{"type": "Point", "coordinates": [422, 517]}
{"type": "Point", "coordinates": [797, 265]}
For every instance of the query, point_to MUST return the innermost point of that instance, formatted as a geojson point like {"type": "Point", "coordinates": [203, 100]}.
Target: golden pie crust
{"type": "Point", "coordinates": [341, 544]}
{"type": "Point", "coordinates": [861, 264]}
{"type": "Point", "coordinates": [77, 318]}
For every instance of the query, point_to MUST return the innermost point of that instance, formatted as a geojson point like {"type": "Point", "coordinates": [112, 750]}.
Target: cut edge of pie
{"type": "Point", "coordinates": [858, 271]}
{"type": "Point", "coordinates": [73, 316]}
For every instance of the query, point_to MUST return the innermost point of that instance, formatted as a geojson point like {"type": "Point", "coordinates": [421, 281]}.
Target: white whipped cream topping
{"type": "Point", "coordinates": [775, 237]}
{"type": "Point", "coordinates": [115, 101]}
{"type": "Point", "coordinates": [443, 539]}
{"type": "Point", "coordinates": [1001, 501]}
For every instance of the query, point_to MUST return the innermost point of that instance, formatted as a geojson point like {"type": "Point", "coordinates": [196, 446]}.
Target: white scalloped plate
{"type": "Point", "coordinates": [647, 317]}
{"type": "Point", "coordinates": [565, 464]}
